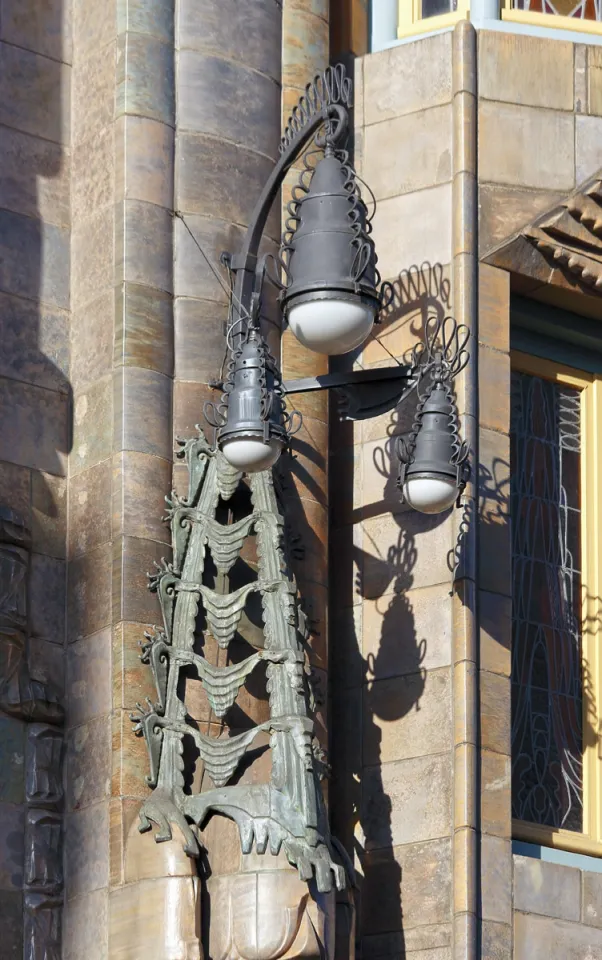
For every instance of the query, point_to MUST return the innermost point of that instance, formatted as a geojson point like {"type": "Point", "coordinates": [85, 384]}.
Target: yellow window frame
{"type": "Point", "coordinates": [549, 20]}
{"type": "Point", "coordinates": [590, 385]}
{"type": "Point", "coordinates": [410, 20]}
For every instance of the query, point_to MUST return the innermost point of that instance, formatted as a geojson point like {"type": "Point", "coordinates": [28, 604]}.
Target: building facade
{"type": "Point", "coordinates": [447, 667]}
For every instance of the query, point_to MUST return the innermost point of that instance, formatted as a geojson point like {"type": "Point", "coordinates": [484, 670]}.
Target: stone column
{"type": "Point", "coordinates": [120, 465]}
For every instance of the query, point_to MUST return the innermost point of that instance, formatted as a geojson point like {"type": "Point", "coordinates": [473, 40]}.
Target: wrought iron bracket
{"type": "Point", "coordinates": [363, 394]}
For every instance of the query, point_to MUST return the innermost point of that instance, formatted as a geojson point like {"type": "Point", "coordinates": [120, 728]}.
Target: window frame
{"type": "Point", "coordinates": [590, 386]}
{"type": "Point", "coordinates": [410, 20]}
{"type": "Point", "coordinates": [551, 21]}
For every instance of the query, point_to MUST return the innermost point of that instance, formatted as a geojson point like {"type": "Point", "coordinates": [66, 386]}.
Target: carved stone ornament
{"type": "Point", "coordinates": [287, 813]}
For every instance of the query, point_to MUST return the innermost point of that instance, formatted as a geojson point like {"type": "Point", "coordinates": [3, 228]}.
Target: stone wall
{"type": "Point", "coordinates": [35, 439]}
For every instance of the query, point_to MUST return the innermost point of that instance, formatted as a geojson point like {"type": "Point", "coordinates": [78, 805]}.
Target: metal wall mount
{"type": "Point", "coordinates": [288, 811]}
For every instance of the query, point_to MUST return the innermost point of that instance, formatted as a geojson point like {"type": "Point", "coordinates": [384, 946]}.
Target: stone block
{"type": "Point", "coordinates": [192, 275]}
{"type": "Point", "coordinates": [430, 238]}
{"type": "Point", "coordinates": [141, 920]}
{"type": "Point", "coordinates": [142, 412]}
{"type": "Point", "coordinates": [304, 47]}
{"type": "Point", "coordinates": [406, 801]}
{"type": "Point", "coordinates": [407, 716]}
{"type": "Point", "coordinates": [525, 70]}
{"type": "Point", "coordinates": [144, 160]}
{"type": "Point", "coordinates": [407, 632]}
{"type": "Point", "coordinates": [549, 889]}
{"type": "Point", "coordinates": [494, 390]}
{"type": "Point", "coordinates": [12, 760]}
{"type": "Point", "coordinates": [45, 30]}
{"type": "Point", "coordinates": [94, 25]}
{"type": "Point", "coordinates": [15, 489]}
{"type": "Point", "coordinates": [198, 352]}
{"type": "Point", "coordinates": [93, 90]}
{"type": "Point", "coordinates": [92, 329]}
{"type": "Point", "coordinates": [581, 97]}
{"type": "Point", "coordinates": [86, 927]}
{"type": "Point", "coordinates": [131, 598]}
{"type": "Point", "coordinates": [507, 134]}
{"type": "Point", "coordinates": [88, 763]}
{"type": "Point", "coordinates": [188, 402]}
{"type": "Point", "coordinates": [132, 680]}
{"type": "Point", "coordinates": [89, 678]}
{"type": "Point", "coordinates": [432, 940]}
{"type": "Point", "coordinates": [143, 244]}
{"type": "Point", "coordinates": [592, 899]}
{"type": "Point", "coordinates": [594, 75]}
{"type": "Point", "coordinates": [89, 593]}
{"type": "Point", "coordinates": [407, 887]}
{"type": "Point", "coordinates": [92, 425]}
{"type": "Point", "coordinates": [151, 17]}
{"type": "Point", "coordinates": [496, 799]}
{"type": "Point", "coordinates": [129, 758]}
{"type": "Point", "coordinates": [406, 550]}
{"type": "Point", "coordinates": [248, 33]}
{"type": "Point", "coordinates": [140, 485]}
{"type": "Point", "coordinates": [12, 852]}
{"type": "Point", "coordinates": [495, 614]}
{"type": "Point", "coordinates": [86, 850]}
{"type": "Point", "coordinates": [34, 259]}
{"type": "Point", "coordinates": [143, 328]}
{"type": "Point", "coordinates": [47, 581]}
{"type": "Point", "coordinates": [496, 940]}
{"type": "Point", "coordinates": [495, 713]}
{"type": "Point", "coordinates": [47, 663]}
{"type": "Point", "coordinates": [35, 93]}
{"type": "Point", "coordinates": [495, 557]}
{"type": "Point", "coordinates": [93, 173]}
{"type": "Point", "coordinates": [542, 938]}
{"type": "Point", "coordinates": [425, 160]}
{"type": "Point", "coordinates": [92, 262]}
{"type": "Point", "coordinates": [407, 78]}
{"type": "Point", "coordinates": [504, 210]}
{"type": "Point", "coordinates": [217, 175]}
{"type": "Point", "coordinates": [494, 307]}
{"type": "Point", "coordinates": [207, 84]}
{"type": "Point", "coordinates": [144, 76]}
{"type": "Point", "coordinates": [11, 911]}
{"type": "Point", "coordinates": [90, 508]}
{"type": "Point", "coordinates": [49, 514]}
{"type": "Point", "coordinates": [496, 879]}
{"type": "Point", "coordinates": [588, 136]}
{"type": "Point", "coordinates": [46, 193]}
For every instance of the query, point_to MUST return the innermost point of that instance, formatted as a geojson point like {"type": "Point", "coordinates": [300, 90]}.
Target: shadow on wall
{"type": "Point", "coordinates": [35, 392]}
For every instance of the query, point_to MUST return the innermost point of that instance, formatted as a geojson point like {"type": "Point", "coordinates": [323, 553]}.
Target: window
{"type": "Point", "coordinates": [584, 15]}
{"type": "Point", "coordinates": [556, 502]}
{"type": "Point", "coordinates": [419, 16]}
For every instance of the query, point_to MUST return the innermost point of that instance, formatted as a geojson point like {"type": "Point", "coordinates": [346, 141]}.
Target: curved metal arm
{"type": "Point", "coordinates": [245, 262]}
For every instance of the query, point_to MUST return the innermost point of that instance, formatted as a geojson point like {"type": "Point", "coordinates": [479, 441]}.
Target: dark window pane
{"type": "Point", "coordinates": [547, 747]}
{"type": "Point", "coordinates": [432, 8]}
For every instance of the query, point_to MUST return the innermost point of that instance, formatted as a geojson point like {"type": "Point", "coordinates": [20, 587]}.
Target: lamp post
{"type": "Point", "coordinates": [330, 299]}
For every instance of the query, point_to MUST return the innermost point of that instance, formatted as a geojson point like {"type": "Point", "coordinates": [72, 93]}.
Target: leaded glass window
{"type": "Point", "coordinates": [547, 744]}
{"type": "Point", "coordinates": [583, 10]}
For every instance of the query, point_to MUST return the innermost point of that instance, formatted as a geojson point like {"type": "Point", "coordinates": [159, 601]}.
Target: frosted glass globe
{"type": "Point", "coordinates": [250, 455]}
{"type": "Point", "coordinates": [331, 326]}
{"type": "Point", "coordinates": [430, 494]}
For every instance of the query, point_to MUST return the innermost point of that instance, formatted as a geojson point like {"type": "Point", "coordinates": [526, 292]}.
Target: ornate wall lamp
{"type": "Point", "coordinates": [329, 298]}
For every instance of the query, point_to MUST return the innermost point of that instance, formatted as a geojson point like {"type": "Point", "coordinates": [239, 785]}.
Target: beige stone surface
{"type": "Point", "coordinates": [157, 919]}
{"type": "Point", "coordinates": [525, 70]}
{"type": "Point", "coordinates": [495, 713]}
{"type": "Point", "coordinates": [496, 799]}
{"type": "Point", "coordinates": [408, 716]}
{"type": "Point", "coordinates": [413, 228]}
{"type": "Point", "coordinates": [407, 78]}
{"type": "Point", "coordinates": [92, 256]}
{"type": "Point", "coordinates": [504, 210]}
{"type": "Point", "coordinates": [594, 74]}
{"type": "Point", "coordinates": [495, 615]}
{"type": "Point", "coordinates": [526, 146]}
{"type": "Point", "coordinates": [592, 899]}
{"type": "Point", "coordinates": [406, 801]}
{"type": "Point", "coordinates": [549, 889]}
{"type": "Point", "coordinates": [496, 879]}
{"type": "Point", "coordinates": [86, 927]}
{"type": "Point", "coordinates": [408, 153]}
{"type": "Point", "coordinates": [541, 938]}
{"type": "Point", "coordinates": [406, 633]}
{"type": "Point", "coordinates": [93, 93]}
{"type": "Point", "coordinates": [404, 550]}
{"type": "Point", "coordinates": [581, 95]}
{"type": "Point", "coordinates": [588, 141]}
{"type": "Point", "coordinates": [494, 307]}
{"type": "Point", "coordinates": [494, 389]}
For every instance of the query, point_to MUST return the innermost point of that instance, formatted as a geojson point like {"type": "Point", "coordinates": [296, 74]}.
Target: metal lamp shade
{"type": "Point", "coordinates": [254, 433]}
{"type": "Point", "coordinates": [430, 474]}
{"type": "Point", "coordinates": [331, 300]}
